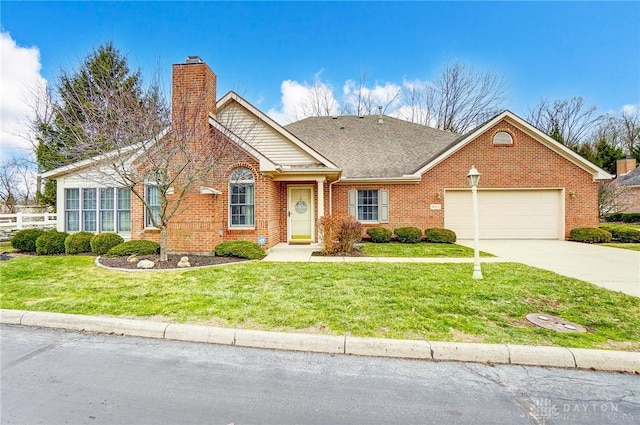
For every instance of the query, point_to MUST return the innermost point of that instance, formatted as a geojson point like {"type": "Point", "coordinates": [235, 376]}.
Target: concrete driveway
{"type": "Point", "coordinates": [612, 268]}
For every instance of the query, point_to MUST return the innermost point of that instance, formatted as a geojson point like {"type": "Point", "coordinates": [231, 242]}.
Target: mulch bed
{"type": "Point", "coordinates": [171, 263]}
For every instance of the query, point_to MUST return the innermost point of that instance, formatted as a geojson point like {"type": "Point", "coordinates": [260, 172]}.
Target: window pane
{"type": "Point", "coordinates": [71, 221]}
{"type": "Point", "coordinates": [72, 199]}
{"type": "Point", "coordinates": [88, 199]}
{"type": "Point", "coordinates": [106, 221]}
{"type": "Point", "coordinates": [89, 221]}
{"type": "Point", "coordinates": [124, 198]}
{"type": "Point", "coordinates": [241, 204]}
{"type": "Point", "coordinates": [106, 199]}
{"type": "Point", "coordinates": [124, 221]}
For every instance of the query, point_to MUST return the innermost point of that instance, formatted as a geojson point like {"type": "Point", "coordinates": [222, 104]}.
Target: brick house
{"type": "Point", "coordinates": [381, 170]}
{"type": "Point", "coordinates": [628, 177]}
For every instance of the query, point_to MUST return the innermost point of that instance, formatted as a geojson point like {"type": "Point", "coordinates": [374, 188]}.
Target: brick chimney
{"type": "Point", "coordinates": [624, 166]}
{"type": "Point", "coordinates": [193, 95]}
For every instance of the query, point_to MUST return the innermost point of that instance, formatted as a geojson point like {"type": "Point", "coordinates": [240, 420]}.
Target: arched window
{"type": "Point", "coordinates": [241, 188]}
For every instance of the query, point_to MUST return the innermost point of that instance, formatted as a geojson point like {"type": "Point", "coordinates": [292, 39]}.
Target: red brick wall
{"type": "Point", "coordinates": [525, 164]}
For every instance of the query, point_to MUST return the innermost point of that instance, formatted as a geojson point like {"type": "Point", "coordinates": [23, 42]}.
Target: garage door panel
{"type": "Point", "coordinates": [506, 214]}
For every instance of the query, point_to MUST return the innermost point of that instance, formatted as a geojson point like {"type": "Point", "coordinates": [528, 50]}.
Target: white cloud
{"type": "Point", "coordinates": [301, 100]}
{"type": "Point", "coordinates": [388, 96]}
{"type": "Point", "coordinates": [19, 78]}
{"type": "Point", "coordinates": [630, 109]}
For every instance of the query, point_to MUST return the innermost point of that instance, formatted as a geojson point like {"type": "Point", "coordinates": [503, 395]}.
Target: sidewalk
{"type": "Point", "coordinates": [613, 361]}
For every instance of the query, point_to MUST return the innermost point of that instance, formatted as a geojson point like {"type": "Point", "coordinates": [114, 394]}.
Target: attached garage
{"type": "Point", "coordinates": [507, 214]}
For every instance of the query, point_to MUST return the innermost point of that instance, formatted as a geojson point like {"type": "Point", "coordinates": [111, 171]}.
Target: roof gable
{"type": "Point", "coordinates": [541, 137]}
{"type": "Point", "coordinates": [266, 136]}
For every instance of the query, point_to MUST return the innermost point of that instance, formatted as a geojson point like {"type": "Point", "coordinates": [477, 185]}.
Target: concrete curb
{"type": "Point", "coordinates": [577, 358]}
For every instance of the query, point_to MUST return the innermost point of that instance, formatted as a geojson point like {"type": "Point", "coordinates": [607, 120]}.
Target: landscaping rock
{"type": "Point", "coordinates": [133, 259]}
{"type": "Point", "coordinates": [145, 264]}
{"type": "Point", "coordinates": [184, 262]}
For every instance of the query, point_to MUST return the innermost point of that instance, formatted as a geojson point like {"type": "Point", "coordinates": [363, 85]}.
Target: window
{"type": "Point", "coordinates": [369, 205]}
{"type": "Point", "coordinates": [124, 209]}
{"type": "Point", "coordinates": [89, 219]}
{"type": "Point", "coordinates": [72, 210]}
{"type": "Point", "coordinates": [106, 210]}
{"type": "Point", "coordinates": [241, 207]}
{"type": "Point", "coordinates": [502, 138]}
{"type": "Point", "coordinates": [152, 196]}
{"type": "Point", "coordinates": [94, 210]}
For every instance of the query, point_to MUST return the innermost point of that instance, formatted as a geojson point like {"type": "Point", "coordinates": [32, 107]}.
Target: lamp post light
{"type": "Point", "coordinates": [474, 177]}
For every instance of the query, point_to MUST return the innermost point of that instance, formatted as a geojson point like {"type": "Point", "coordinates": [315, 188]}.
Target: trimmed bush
{"type": "Point", "coordinates": [631, 218]}
{"type": "Point", "coordinates": [437, 235]}
{"type": "Point", "coordinates": [103, 242]}
{"type": "Point", "coordinates": [590, 235]}
{"type": "Point", "coordinates": [25, 240]}
{"type": "Point", "coordinates": [78, 243]}
{"type": "Point", "coordinates": [51, 243]}
{"type": "Point", "coordinates": [613, 217]}
{"type": "Point", "coordinates": [137, 247]}
{"type": "Point", "coordinates": [408, 234]}
{"type": "Point", "coordinates": [379, 234]}
{"type": "Point", "coordinates": [622, 234]}
{"type": "Point", "coordinates": [240, 249]}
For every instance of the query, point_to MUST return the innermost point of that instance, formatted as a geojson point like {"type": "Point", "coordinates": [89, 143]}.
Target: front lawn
{"type": "Point", "coordinates": [394, 300]}
{"type": "Point", "coordinates": [629, 246]}
{"type": "Point", "coordinates": [422, 249]}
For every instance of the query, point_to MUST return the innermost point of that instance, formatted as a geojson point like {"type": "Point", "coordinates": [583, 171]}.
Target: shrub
{"type": "Point", "coordinates": [25, 240]}
{"type": "Point", "coordinates": [590, 235]}
{"type": "Point", "coordinates": [631, 218]}
{"type": "Point", "coordinates": [240, 249]}
{"type": "Point", "coordinates": [408, 234]}
{"type": "Point", "coordinates": [613, 217]}
{"type": "Point", "coordinates": [437, 235]}
{"type": "Point", "coordinates": [350, 234]}
{"type": "Point", "coordinates": [622, 234]}
{"type": "Point", "coordinates": [103, 242]}
{"type": "Point", "coordinates": [329, 230]}
{"type": "Point", "coordinates": [78, 243]}
{"type": "Point", "coordinates": [379, 234]}
{"type": "Point", "coordinates": [137, 247]}
{"type": "Point", "coordinates": [51, 243]}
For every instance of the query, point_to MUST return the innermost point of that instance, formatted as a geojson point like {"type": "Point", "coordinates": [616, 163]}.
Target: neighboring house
{"type": "Point", "coordinates": [628, 177]}
{"type": "Point", "coordinates": [381, 170]}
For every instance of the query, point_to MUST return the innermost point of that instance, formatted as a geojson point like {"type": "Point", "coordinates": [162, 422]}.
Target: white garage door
{"type": "Point", "coordinates": [506, 214]}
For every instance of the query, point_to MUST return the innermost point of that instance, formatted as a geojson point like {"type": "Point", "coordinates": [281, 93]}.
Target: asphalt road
{"type": "Point", "coordinates": [56, 377]}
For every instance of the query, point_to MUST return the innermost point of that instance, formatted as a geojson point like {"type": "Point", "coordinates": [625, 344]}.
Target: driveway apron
{"type": "Point", "coordinates": [612, 268]}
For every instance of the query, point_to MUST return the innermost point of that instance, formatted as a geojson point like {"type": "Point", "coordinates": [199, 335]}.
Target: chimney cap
{"type": "Point", "coordinates": [194, 59]}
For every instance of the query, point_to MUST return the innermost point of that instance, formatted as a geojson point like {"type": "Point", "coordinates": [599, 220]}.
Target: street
{"type": "Point", "coordinates": [56, 377]}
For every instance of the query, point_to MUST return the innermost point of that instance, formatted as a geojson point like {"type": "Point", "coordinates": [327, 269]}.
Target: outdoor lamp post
{"type": "Point", "coordinates": [473, 177]}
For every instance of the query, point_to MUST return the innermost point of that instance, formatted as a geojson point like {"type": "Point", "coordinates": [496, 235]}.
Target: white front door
{"type": "Point", "coordinates": [300, 213]}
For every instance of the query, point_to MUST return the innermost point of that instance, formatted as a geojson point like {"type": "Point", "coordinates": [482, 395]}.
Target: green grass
{"type": "Point", "coordinates": [393, 300]}
{"type": "Point", "coordinates": [5, 246]}
{"type": "Point", "coordinates": [437, 250]}
{"type": "Point", "coordinates": [629, 246]}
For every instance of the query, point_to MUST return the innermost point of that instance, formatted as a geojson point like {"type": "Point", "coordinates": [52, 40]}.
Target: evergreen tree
{"type": "Point", "coordinates": [105, 68]}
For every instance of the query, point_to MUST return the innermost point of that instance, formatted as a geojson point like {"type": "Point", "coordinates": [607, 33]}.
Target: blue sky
{"type": "Point", "coordinates": [544, 49]}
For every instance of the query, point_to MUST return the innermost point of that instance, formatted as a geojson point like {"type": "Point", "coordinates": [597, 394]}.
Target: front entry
{"type": "Point", "coordinates": [301, 214]}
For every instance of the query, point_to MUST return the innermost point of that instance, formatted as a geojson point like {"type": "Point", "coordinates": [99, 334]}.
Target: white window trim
{"type": "Point", "coordinates": [383, 205]}
{"type": "Point", "coordinates": [147, 224]}
{"type": "Point", "coordinates": [97, 210]}
{"type": "Point", "coordinates": [231, 226]}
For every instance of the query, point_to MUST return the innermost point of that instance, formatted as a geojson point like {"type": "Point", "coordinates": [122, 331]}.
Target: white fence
{"type": "Point", "coordinates": [24, 220]}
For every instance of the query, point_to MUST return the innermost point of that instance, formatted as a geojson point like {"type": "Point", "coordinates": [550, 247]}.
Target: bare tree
{"type": "Point", "coordinates": [17, 183]}
{"type": "Point", "coordinates": [135, 141]}
{"type": "Point", "coordinates": [569, 121]}
{"type": "Point", "coordinates": [613, 197]}
{"type": "Point", "coordinates": [320, 101]}
{"type": "Point", "coordinates": [362, 100]}
{"type": "Point", "coordinates": [465, 97]}
{"type": "Point", "coordinates": [629, 123]}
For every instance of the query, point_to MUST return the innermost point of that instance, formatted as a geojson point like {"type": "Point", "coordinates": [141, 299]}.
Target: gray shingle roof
{"type": "Point", "coordinates": [632, 178]}
{"type": "Point", "coordinates": [366, 148]}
